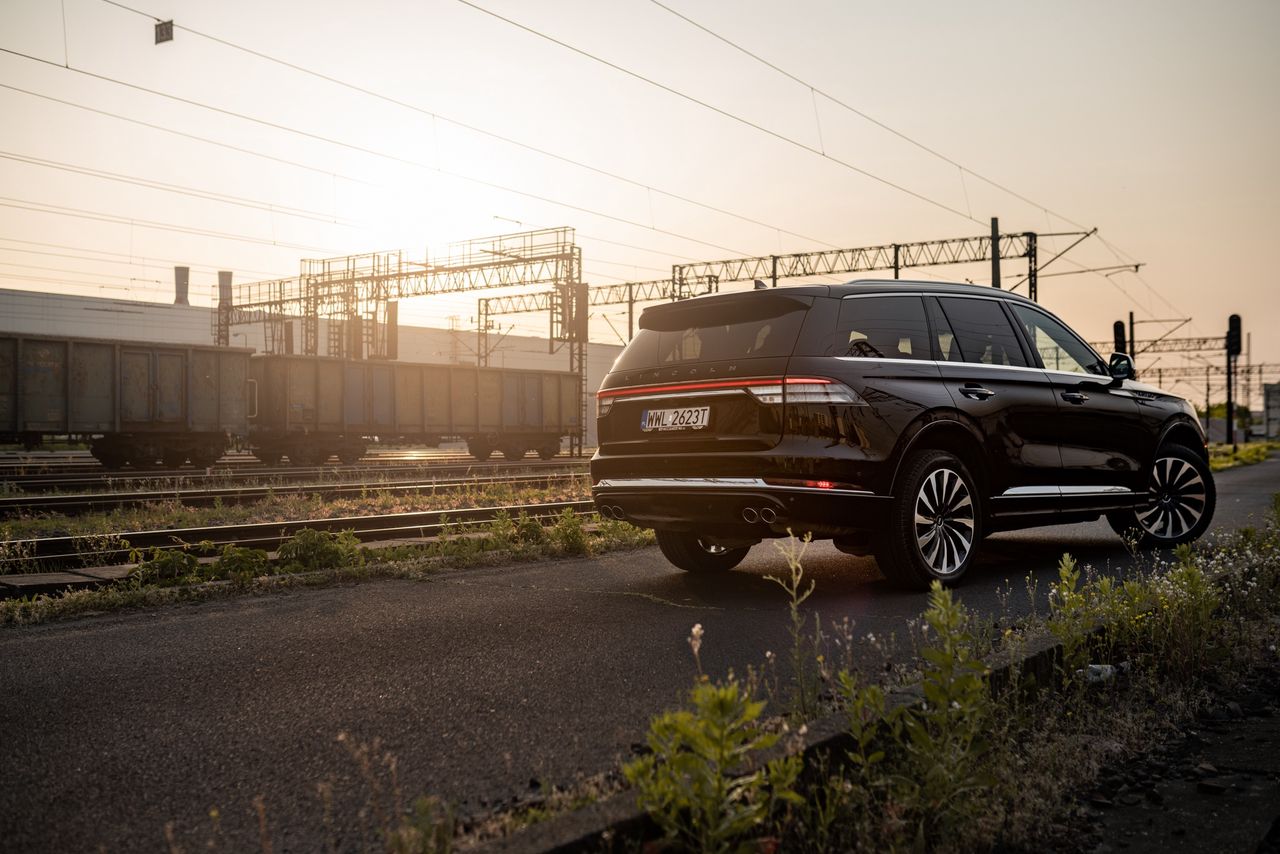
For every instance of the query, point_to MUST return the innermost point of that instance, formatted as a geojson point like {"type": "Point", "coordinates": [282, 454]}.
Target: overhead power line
{"type": "Point", "coordinates": [781, 137]}
{"type": "Point", "coordinates": [375, 153]}
{"type": "Point", "coordinates": [98, 216]}
{"type": "Point", "coordinates": [435, 116]}
{"type": "Point", "coordinates": [861, 114]}
{"type": "Point", "coordinates": [193, 192]}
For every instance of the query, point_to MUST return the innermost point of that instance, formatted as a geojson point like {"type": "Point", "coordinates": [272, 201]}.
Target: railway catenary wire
{"type": "Point", "coordinates": [75, 503]}
{"type": "Point", "coordinates": [84, 551]}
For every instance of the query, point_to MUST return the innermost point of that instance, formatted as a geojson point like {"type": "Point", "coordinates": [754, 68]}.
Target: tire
{"type": "Point", "coordinates": [687, 552]}
{"type": "Point", "coordinates": [1183, 500]}
{"type": "Point", "coordinates": [922, 545]}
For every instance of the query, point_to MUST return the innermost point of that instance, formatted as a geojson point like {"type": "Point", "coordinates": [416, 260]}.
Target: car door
{"type": "Point", "coordinates": [1101, 437]}
{"type": "Point", "coordinates": [989, 375]}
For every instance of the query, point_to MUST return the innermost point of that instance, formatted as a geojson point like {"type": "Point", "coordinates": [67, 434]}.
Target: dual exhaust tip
{"type": "Point", "coordinates": [750, 515]}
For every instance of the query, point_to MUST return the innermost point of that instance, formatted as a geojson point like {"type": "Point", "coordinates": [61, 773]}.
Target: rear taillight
{"type": "Point", "coordinates": [769, 391]}
{"type": "Point", "coordinates": [807, 390]}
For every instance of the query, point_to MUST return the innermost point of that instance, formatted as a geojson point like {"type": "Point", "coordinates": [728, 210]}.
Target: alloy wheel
{"type": "Point", "coordinates": [1178, 499]}
{"type": "Point", "coordinates": [944, 523]}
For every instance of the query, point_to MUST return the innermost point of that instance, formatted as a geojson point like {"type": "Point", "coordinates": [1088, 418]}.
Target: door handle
{"type": "Point", "coordinates": [1076, 397]}
{"type": "Point", "coordinates": [976, 391]}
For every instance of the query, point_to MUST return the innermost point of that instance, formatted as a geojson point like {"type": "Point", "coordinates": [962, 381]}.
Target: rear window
{"type": "Point", "coordinates": [714, 330]}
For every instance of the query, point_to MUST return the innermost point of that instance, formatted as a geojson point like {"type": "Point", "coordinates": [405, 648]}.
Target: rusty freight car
{"type": "Point", "coordinates": [309, 408]}
{"type": "Point", "coordinates": [134, 402]}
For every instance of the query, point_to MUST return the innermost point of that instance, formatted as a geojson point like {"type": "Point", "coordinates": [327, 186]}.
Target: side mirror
{"type": "Point", "coordinates": [1121, 367]}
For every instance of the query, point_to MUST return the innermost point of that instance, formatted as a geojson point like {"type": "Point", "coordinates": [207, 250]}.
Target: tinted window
{"type": "Point", "coordinates": [982, 332]}
{"type": "Point", "coordinates": [1059, 348]}
{"type": "Point", "coordinates": [749, 325]}
{"type": "Point", "coordinates": [882, 328]}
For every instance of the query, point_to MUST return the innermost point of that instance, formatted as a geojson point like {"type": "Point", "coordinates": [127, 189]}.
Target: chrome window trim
{"type": "Point", "coordinates": [1063, 491]}
{"type": "Point", "coordinates": [713, 483]}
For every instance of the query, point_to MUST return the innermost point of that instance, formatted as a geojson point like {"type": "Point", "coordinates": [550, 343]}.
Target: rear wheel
{"type": "Point", "coordinates": [935, 522]}
{"type": "Point", "coordinates": [693, 554]}
{"type": "Point", "coordinates": [1183, 498]}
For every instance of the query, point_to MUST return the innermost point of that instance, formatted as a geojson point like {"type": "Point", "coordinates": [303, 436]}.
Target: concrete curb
{"type": "Point", "coordinates": [596, 826]}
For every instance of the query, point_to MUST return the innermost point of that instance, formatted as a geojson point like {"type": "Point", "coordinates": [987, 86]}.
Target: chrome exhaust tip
{"type": "Point", "coordinates": [605, 510]}
{"type": "Point", "coordinates": [767, 515]}
{"type": "Point", "coordinates": [618, 512]}
{"type": "Point", "coordinates": [750, 516]}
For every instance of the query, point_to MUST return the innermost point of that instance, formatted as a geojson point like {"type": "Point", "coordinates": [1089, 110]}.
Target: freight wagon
{"type": "Point", "coordinates": [134, 402]}
{"type": "Point", "coordinates": [308, 408]}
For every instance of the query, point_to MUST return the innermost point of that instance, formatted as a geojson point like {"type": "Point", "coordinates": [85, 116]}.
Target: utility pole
{"type": "Point", "coordinates": [995, 252]}
{"type": "Point", "coordinates": [1133, 341]}
{"type": "Point", "coordinates": [1233, 350]}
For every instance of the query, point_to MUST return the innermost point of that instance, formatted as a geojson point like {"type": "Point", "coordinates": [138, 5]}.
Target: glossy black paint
{"type": "Point", "coordinates": [1041, 454]}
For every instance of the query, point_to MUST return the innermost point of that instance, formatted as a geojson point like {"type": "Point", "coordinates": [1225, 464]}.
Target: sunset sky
{"type": "Point", "coordinates": [649, 129]}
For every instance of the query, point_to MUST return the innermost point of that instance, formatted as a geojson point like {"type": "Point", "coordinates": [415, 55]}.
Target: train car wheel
{"type": "Point", "coordinates": [480, 450]}
{"type": "Point", "coordinates": [350, 456]}
{"type": "Point", "coordinates": [267, 458]}
{"type": "Point", "coordinates": [513, 452]}
{"type": "Point", "coordinates": [112, 458]}
{"type": "Point", "coordinates": [173, 458]}
{"type": "Point", "coordinates": [549, 450]}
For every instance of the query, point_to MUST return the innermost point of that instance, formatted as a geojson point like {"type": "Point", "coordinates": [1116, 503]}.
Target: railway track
{"type": "Point", "coordinates": [169, 480]}
{"type": "Point", "coordinates": [84, 551]}
{"type": "Point", "coordinates": [75, 503]}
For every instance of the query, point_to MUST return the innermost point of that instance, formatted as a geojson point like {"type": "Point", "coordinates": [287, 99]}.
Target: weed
{"type": "Point", "coordinates": [311, 550]}
{"type": "Point", "coordinates": [702, 782]}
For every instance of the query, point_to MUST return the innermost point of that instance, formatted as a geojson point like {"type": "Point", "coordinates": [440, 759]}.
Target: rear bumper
{"type": "Point", "coordinates": [745, 507]}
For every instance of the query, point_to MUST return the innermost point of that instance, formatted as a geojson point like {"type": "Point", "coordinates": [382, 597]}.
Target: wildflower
{"type": "Point", "coordinates": [695, 638]}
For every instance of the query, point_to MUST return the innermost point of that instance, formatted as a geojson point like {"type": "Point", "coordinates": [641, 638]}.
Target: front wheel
{"type": "Point", "coordinates": [692, 554]}
{"type": "Point", "coordinates": [1183, 498]}
{"type": "Point", "coordinates": [935, 522]}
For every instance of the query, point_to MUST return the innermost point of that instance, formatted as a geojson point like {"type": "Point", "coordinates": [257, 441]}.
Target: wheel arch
{"type": "Point", "coordinates": [944, 432]}
{"type": "Point", "coordinates": [1181, 431]}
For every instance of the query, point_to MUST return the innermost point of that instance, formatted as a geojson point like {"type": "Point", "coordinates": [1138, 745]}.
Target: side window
{"type": "Point", "coordinates": [982, 332]}
{"type": "Point", "coordinates": [1059, 348]}
{"type": "Point", "coordinates": [881, 327]}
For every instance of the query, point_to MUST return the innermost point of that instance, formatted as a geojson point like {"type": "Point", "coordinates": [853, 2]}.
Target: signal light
{"type": "Point", "coordinates": [1233, 335]}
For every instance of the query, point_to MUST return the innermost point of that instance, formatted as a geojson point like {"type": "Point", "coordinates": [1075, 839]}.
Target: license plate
{"type": "Point", "coordinates": [685, 418]}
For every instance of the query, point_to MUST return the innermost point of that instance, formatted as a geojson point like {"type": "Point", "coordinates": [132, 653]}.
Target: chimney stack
{"type": "Point", "coordinates": [181, 282]}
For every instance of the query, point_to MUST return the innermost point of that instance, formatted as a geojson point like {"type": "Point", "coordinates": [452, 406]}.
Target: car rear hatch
{"type": "Point", "coordinates": [704, 375]}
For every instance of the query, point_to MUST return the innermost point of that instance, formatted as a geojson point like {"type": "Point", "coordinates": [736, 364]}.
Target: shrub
{"type": "Point", "coordinates": [310, 549]}
{"type": "Point", "coordinates": [240, 565]}
{"type": "Point", "coordinates": [568, 536]}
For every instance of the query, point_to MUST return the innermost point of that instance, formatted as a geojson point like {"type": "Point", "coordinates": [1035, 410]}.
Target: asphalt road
{"type": "Point", "coordinates": [478, 681]}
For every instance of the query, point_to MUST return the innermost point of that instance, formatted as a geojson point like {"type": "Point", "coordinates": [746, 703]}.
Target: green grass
{"type": "Point", "coordinates": [1221, 456]}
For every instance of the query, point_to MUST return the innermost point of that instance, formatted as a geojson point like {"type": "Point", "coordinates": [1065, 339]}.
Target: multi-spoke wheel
{"type": "Point", "coordinates": [935, 522]}
{"type": "Point", "coordinates": [694, 554]}
{"type": "Point", "coordinates": [1182, 499]}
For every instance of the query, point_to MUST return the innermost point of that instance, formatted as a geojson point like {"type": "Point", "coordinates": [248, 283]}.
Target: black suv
{"type": "Point", "coordinates": [902, 419]}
